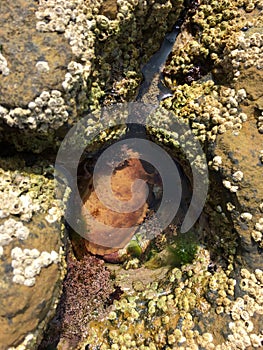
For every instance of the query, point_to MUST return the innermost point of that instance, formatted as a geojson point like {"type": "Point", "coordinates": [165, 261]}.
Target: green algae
{"type": "Point", "coordinates": [183, 250]}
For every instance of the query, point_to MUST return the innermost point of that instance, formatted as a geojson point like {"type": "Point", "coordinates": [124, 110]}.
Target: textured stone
{"type": "Point", "coordinates": [240, 149]}
{"type": "Point", "coordinates": [23, 47]}
{"type": "Point", "coordinates": [31, 265]}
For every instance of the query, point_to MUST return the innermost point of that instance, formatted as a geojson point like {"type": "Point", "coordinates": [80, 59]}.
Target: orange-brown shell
{"type": "Point", "coordinates": [119, 234]}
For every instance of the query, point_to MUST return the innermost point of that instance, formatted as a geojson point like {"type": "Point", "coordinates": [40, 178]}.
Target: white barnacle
{"type": "Point", "coordinates": [41, 26]}
{"type": "Point", "coordinates": [27, 252]}
{"type": "Point", "coordinates": [16, 264]}
{"type": "Point", "coordinates": [27, 261]}
{"type": "Point", "coordinates": [259, 275]}
{"type": "Point", "coordinates": [230, 206]}
{"type": "Point", "coordinates": [29, 282]}
{"type": "Point", "coordinates": [32, 105]}
{"type": "Point", "coordinates": [227, 184]}
{"type": "Point", "coordinates": [55, 93]}
{"type": "Point", "coordinates": [37, 265]}
{"type": "Point", "coordinates": [54, 214]}
{"type": "Point", "coordinates": [256, 235]}
{"type": "Point", "coordinates": [22, 231]}
{"type": "Point", "coordinates": [5, 239]}
{"type": "Point", "coordinates": [243, 116]}
{"type": "Point", "coordinates": [241, 94]}
{"type": "Point", "coordinates": [31, 122]}
{"type": "Point", "coordinates": [45, 259]}
{"type": "Point", "coordinates": [34, 253]}
{"type": "Point", "coordinates": [18, 271]}
{"type": "Point", "coordinates": [256, 340]}
{"type": "Point", "coordinates": [54, 256]}
{"type": "Point", "coordinates": [45, 95]}
{"type": "Point", "coordinates": [52, 103]}
{"type": "Point", "coordinates": [238, 176]}
{"type": "Point", "coordinates": [29, 272]}
{"type": "Point", "coordinates": [42, 67]}
{"type": "Point", "coordinates": [39, 102]}
{"type": "Point", "coordinates": [259, 227]}
{"type": "Point", "coordinates": [3, 65]}
{"type": "Point", "coordinates": [246, 216]}
{"type": "Point", "coordinates": [3, 111]}
{"type": "Point", "coordinates": [245, 273]}
{"type": "Point", "coordinates": [19, 279]}
{"type": "Point", "coordinates": [217, 160]}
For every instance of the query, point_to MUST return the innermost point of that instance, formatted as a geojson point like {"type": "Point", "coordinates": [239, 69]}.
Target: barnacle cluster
{"type": "Point", "coordinates": [260, 123]}
{"type": "Point", "coordinates": [47, 111]}
{"type": "Point", "coordinates": [31, 247]}
{"type": "Point", "coordinates": [22, 194]}
{"type": "Point", "coordinates": [213, 28]}
{"type": "Point", "coordinates": [166, 312]}
{"type": "Point", "coordinates": [257, 232]}
{"type": "Point", "coordinates": [243, 310]}
{"type": "Point", "coordinates": [104, 37]}
{"type": "Point", "coordinates": [176, 311]}
{"type": "Point", "coordinates": [12, 229]}
{"type": "Point", "coordinates": [100, 65]}
{"type": "Point", "coordinates": [27, 264]}
{"type": "Point", "coordinates": [248, 52]}
{"type": "Point", "coordinates": [208, 108]}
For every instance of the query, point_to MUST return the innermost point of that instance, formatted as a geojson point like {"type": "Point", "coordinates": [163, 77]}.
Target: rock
{"type": "Point", "coordinates": [32, 261]}
{"type": "Point", "coordinates": [239, 151]}
{"type": "Point", "coordinates": [24, 48]}
{"type": "Point", "coordinates": [50, 75]}
{"type": "Point", "coordinates": [102, 47]}
{"type": "Point", "coordinates": [49, 78]}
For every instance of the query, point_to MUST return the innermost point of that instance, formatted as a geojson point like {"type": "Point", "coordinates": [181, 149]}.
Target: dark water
{"type": "Point", "coordinates": [155, 64]}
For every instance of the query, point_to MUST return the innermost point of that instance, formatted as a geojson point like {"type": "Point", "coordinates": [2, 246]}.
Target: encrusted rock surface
{"type": "Point", "coordinates": [55, 66]}
{"type": "Point", "coordinates": [60, 60]}
{"type": "Point", "coordinates": [216, 301]}
{"type": "Point", "coordinates": [215, 77]}
{"type": "Point", "coordinates": [24, 48]}
{"type": "Point", "coordinates": [32, 257]}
